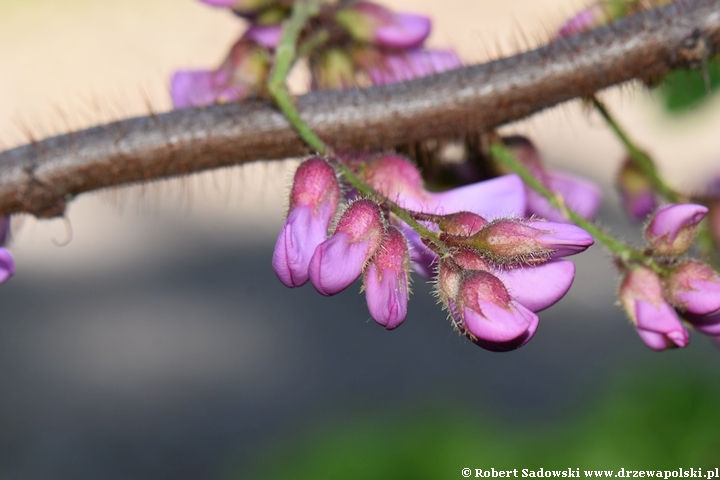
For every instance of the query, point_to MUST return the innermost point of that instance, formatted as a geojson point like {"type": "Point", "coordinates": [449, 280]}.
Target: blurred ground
{"type": "Point", "coordinates": [158, 343]}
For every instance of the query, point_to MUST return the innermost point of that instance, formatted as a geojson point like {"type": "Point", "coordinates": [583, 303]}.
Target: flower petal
{"type": "Point", "coordinates": [406, 31]}
{"type": "Point", "coordinates": [500, 197]}
{"type": "Point", "coordinates": [538, 287]}
{"type": "Point", "coordinates": [337, 262]}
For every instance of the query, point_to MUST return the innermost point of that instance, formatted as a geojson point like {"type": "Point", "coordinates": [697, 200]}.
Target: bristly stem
{"type": "Point", "coordinates": [621, 250]}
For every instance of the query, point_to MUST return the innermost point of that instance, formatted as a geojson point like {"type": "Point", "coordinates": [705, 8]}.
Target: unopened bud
{"type": "Point", "coordinates": [372, 23]}
{"type": "Point", "coordinates": [636, 191]}
{"type": "Point", "coordinates": [386, 280]}
{"type": "Point", "coordinates": [674, 227]}
{"type": "Point", "coordinates": [462, 224]}
{"type": "Point", "coordinates": [339, 260]}
{"type": "Point", "coordinates": [313, 201]}
{"type": "Point", "coordinates": [491, 318]}
{"type": "Point", "coordinates": [694, 287]}
{"type": "Point", "coordinates": [641, 295]}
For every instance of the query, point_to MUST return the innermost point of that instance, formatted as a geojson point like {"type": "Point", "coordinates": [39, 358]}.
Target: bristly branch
{"type": "Point", "coordinates": [41, 177]}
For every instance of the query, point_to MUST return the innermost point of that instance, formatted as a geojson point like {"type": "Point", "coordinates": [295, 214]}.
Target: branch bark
{"type": "Point", "coordinates": [41, 177]}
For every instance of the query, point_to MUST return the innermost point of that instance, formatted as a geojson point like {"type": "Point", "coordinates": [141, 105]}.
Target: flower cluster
{"type": "Point", "coordinates": [493, 268]}
{"type": "Point", "coordinates": [355, 43]}
{"type": "Point", "coordinates": [656, 299]}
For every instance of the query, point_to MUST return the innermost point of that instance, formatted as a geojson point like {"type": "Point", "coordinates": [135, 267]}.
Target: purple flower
{"type": "Point", "coordinates": [385, 68]}
{"type": "Point", "coordinates": [241, 74]}
{"type": "Point", "coordinates": [339, 260]}
{"type": "Point", "coordinates": [641, 295]}
{"type": "Point", "coordinates": [673, 228]}
{"type": "Point", "coordinates": [636, 191]}
{"type": "Point", "coordinates": [372, 23]}
{"type": "Point", "coordinates": [386, 280]}
{"type": "Point", "coordinates": [580, 194]}
{"type": "Point", "coordinates": [694, 287]}
{"type": "Point", "coordinates": [7, 264]}
{"type": "Point", "coordinates": [538, 287]}
{"type": "Point", "coordinates": [512, 242]}
{"type": "Point", "coordinates": [587, 19]}
{"type": "Point", "coordinates": [489, 316]}
{"type": "Point", "coordinates": [313, 202]}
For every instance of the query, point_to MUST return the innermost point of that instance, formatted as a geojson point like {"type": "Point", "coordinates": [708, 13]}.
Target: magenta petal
{"type": "Point", "coordinates": [266, 35]}
{"type": "Point", "coordinates": [399, 67]}
{"type": "Point", "coordinates": [500, 197]}
{"type": "Point", "coordinates": [199, 88]}
{"type": "Point", "coordinates": [386, 293]}
{"type": "Point", "coordinates": [707, 324]}
{"type": "Point", "coordinates": [406, 31]}
{"type": "Point", "coordinates": [659, 320]}
{"type": "Point", "coordinates": [512, 344]}
{"type": "Point", "coordinates": [424, 260]}
{"type": "Point", "coordinates": [672, 218]}
{"type": "Point", "coordinates": [580, 194]}
{"type": "Point", "coordinates": [296, 244]}
{"type": "Point", "coordinates": [7, 265]}
{"type": "Point", "coordinates": [337, 262]}
{"type": "Point", "coordinates": [538, 287]}
{"type": "Point", "coordinates": [497, 324]}
{"type": "Point", "coordinates": [566, 239]}
{"type": "Point", "coordinates": [703, 298]}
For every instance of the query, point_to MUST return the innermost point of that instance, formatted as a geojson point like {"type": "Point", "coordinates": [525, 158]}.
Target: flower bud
{"type": "Point", "coordinates": [658, 325]}
{"type": "Point", "coordinates": [313, 201]}
{"type": "Point", "coordinates": [334, 70]}
{"type": "Point", "coordinates": [538, 287]}
{"type": "Point", "coordinates": [242, 73]}
{"type": "Point", "coordinates": [397, 178]}
{"type": "Point", "coordinates": [372, 23]}
{"type": "Point", "coordinates": [339, 260]}
{"type": "Point", "coordinates": [512, 242]}
{"type": "Point", "coordinates": [462, 224]}
{"type": "Point", "coordinates": [386, 280]}
{"type": "Point", "coordinates": [636, 191]}
{"type": "Point", "coordinates": [489, 316]}
{"type": "Point", "coordinates": [673, 228]}
{"type": "Point", "coordinates": [694, 287]}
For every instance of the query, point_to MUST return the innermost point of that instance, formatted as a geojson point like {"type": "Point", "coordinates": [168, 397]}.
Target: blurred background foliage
{"type": "Point", "coordinates": [655, 421]}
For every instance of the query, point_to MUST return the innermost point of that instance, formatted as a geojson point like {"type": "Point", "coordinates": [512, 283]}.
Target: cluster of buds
{"type": "Point", "coordinates": [380, 47]}
{"type": "Point", "coordinates": [361, 241]}
{"type": "Point", "coordinates": [657, 300]}
{"type": "Point", "coordinates": [493, 269]}
{"type": "Point", "coordinates": [363, 42]}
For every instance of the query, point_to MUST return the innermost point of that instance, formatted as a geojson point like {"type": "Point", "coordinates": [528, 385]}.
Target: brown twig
{"type": "Point", "coordinates": [41, 177]}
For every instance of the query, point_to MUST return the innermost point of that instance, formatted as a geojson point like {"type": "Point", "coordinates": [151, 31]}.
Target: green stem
{"type": "Point", "coordinates": [641, 159]}
{"type": "Point", "coordinates": [285, 55]}
{"type": "Point", "coordinates": [621, 250]}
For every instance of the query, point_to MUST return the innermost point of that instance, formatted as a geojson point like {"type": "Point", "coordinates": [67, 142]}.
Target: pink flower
{"type": "Point", "coordinates": [241, 74]}
{"type": "Point", "coordinates": [694, 287]}
{"type": "Point", "coordinates": [658, 325]}
{"type": "Point", "coordinates": [636, 191]}
{"type": "Point", "coordinates": [580, 194]}
{"type": "Point", "coordinates": [386, 280]}
{"type": "Point", "coordinates": [313, 202]}
{"type": "Point", "coordinates": [339, 260]}
{"type": "Point", "coordinates": [372, 23]}
{"type": "Point", "coordinates": [385, 68]}
{"type": "Point", "coordinates": [673, 228]}
{"type": "Point", "coordinates": [7, 264]}
{"type": "Point", "coordinates": [489, 316]}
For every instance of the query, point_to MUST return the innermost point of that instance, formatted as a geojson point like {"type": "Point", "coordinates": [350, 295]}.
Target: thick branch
{"type": "Point", "coordinates": [40, 178]}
